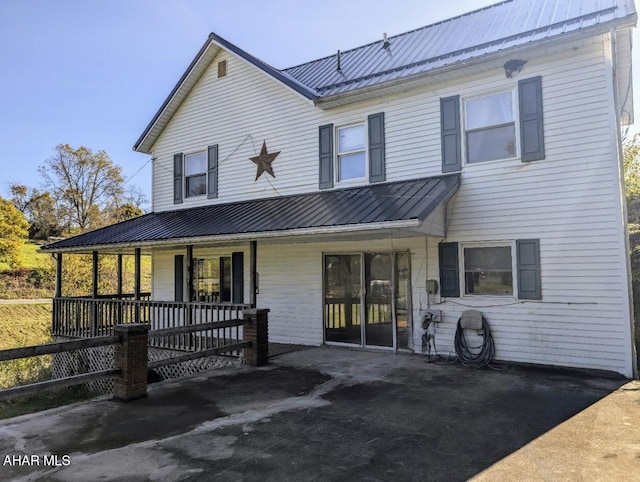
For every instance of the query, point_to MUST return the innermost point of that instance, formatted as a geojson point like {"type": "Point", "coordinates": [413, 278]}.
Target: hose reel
{"type": "Point", "coordinates": [475, 356]}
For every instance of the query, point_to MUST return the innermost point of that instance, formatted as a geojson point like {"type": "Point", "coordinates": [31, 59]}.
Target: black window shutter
{"type": "Point", "coordinates": [531, 124]}
{"type": "Point", "coordinates": [212, 172]}
{"type": "Point", "coordinates": [237, 277]}
{"type": "Point", "coordinates": [449, 269]}
{"type": "Point", "coordinates": [528, 261]}
{"type": "Point", "coordinates": [326, 156]}
{"type": "Point", "coordinates": [450, 134]}
{"type": "Point", "coordinates": [179, 277]}
{"type": "Point", "coordinates": [376, 147]}
{"type": "Point", "coordinates": [177, 178]}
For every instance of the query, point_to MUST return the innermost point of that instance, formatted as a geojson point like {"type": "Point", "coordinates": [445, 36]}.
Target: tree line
{"type": "Point", "coordinates": [82, 190]}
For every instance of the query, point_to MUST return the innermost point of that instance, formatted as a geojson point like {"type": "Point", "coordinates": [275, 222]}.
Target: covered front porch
{"type": "Point", "coordinates": [333, 267]}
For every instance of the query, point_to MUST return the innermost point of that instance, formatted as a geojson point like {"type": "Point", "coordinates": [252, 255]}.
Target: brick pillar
{"type": "Point", "coordinates": [257, 333]}
{"type": "Point", "coordinates": [131, 357]}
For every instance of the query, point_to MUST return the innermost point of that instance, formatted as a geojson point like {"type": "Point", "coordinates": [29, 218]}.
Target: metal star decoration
{"type": "Point", "coordinates": [264, 160]}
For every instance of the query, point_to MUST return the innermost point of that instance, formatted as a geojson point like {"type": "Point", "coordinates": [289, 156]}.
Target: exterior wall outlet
{"type": "Point", "coordinates": [432, 286]}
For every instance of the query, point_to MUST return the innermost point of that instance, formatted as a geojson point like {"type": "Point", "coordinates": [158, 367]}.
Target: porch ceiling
{"type": "Point", "coordinates": [385, 206]}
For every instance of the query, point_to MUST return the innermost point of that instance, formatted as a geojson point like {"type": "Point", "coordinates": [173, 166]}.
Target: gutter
{"type": "Point", "coordinates": [622, 197]}
{"type": "Point", "coordinates": [345, 229]}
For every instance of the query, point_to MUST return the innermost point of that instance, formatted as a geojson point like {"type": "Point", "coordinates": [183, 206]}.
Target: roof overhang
{"type": "Point", "coordinates": [396, 208]}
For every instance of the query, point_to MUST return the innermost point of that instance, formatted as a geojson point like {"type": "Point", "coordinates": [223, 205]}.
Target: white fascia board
{"type": "Point", "coordinates": [353, 228]}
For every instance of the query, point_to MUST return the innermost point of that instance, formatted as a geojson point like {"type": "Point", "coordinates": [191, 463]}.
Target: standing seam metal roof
{"type": "Point", "coordinates": [377, 203]}
{"type": "Point", "coordinates": [493, 28]}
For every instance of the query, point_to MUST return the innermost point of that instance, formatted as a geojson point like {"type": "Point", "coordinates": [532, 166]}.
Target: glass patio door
{"type": "Point", "coordinates": [378, 299]}
{"type": "Point", "coordinates": [343, 298]}
{"type": "Point", "coordinates": [367, 299]}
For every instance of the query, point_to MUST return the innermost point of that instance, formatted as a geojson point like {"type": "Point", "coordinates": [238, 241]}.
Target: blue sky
{"type": "Point", "coordinates": [94, 73]}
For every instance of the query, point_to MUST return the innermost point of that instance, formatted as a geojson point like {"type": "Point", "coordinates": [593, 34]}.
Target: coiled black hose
{"type": "Point", "coordinates": [477, 356]}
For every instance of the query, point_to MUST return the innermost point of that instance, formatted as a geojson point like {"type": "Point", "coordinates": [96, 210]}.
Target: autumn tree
{"type": "Point", "coordinates": [13, 231]}
{"type": "Point", "coordinates": [631, 160]}
{"type": "Point", "coordinates": [88, 186]}
{"type": "Point", "coordinates": [40, 209]}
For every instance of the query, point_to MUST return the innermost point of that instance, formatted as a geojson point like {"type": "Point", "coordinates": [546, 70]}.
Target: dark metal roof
{"type": "Point", "coordinates": [357, 206]}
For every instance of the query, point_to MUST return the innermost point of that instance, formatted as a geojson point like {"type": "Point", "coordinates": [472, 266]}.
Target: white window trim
{"type": "Point", "coordinates": [488, 244]}
{"type": "Point", "coordinates": [186, 196]}
{"type": "Point", "coordinates": [516, 116]}
{"type": "Point", "coordinates": [356, 181]}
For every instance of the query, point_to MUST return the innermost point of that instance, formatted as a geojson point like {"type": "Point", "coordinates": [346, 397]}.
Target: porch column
{"type": "Point", "coordinates": [119, 276]}
{"type": "Point", "coordinates": [190, 273]}
{"type": "Point", "coordinates": [58, 292]}
{"type": "Point", "coordinates": [93, 329]}
{"type": "Point", "coordinates": [136, 288]}
{"type": "Point", "coordinates": [57, 310]}
{"type": "Point", "coordinates": [188, 319]}
{"type": "Point", "coordinates": [94, 275]}
{"type": "Point", "coordinates": [253, 273]}
{"type": "Point", "coordinates": [137, 274]}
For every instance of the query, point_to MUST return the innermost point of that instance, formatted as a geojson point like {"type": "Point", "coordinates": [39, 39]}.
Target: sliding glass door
{"type": "Point", "coordinates": [378, 303]}
{"type": "Point", "coordinates": [343, 298]}
{"type": "Point", "coordinates": [367, 299]}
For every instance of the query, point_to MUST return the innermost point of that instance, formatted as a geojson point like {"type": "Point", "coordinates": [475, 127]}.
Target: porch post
{"type": "Point", "coordinates": [188, 319]}
{"type": "Point", "coordinates": [136, 288]}
{"type": "Point", "coordinates": [253, 273]}
{"type": "Point", "coordinates": [189, 272]}
{"type": "Point", "coordinates": [137, 274]}
{"type": "Point", "coordinates": [94, 275]}
{"type": "Point", "coordinates": [57, 310]}
{"type": "Point", "coordinates": [58, 293]}
{"type": "Point", "coordinates": [119, 276]}
{"type": "Point", "coordinates": [93, 330]}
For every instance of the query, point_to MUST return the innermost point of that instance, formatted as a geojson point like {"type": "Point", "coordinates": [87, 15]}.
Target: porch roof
{"type": "Point", "coordinates": [385, 205]}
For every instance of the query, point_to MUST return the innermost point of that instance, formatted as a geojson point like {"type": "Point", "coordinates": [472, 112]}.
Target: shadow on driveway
{"type": "Point", "coordinates": [316, 414]}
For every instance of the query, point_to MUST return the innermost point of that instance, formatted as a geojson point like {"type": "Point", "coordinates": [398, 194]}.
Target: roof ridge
{"type": "Point", "coordinates": [401, 34]}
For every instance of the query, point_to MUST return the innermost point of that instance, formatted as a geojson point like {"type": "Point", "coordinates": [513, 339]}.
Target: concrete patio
{"type": "Point", "coordinates": [337, 414]}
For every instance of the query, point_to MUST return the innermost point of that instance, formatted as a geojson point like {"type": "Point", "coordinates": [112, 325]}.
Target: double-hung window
{"type": "Point", "coordinates": [212, 279]}
{"type": "Point", "coordinates": [490, 127]}
{"type": "Point", "coordinates": [195, 174]}
{"type": "Point", "coordinates": [195, 168]}
{"type": "Point", "coordinates": [351, 155]}
{"type": "Point", "coordinates": [493, 126]}
{"type": "Point", "coordinates": [488, 270]}
{"type": "Point", "coordinates": [500, 268]}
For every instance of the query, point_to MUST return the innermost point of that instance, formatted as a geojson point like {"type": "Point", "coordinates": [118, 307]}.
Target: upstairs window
{"type": "Point", "coordinates": [352, 159]}
{"type": "Point", "coordinates": [490, 127]}
{"type": "Point", "coordinates": [195, 168]}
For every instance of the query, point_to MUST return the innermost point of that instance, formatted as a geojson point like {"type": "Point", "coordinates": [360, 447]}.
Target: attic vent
{"type": "Point", "coordinates": [385, 41]}
{"type": "Point", "coordinates": [222, 68]}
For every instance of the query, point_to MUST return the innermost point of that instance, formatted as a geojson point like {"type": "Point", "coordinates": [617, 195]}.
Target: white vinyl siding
{"type": "Point", "coordinates": [567, 201]}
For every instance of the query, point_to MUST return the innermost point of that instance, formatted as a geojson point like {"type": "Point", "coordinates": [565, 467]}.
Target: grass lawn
{"type": "Point", "coordinates": [24, 325]}
{"type": "Point", "coordinates": [29, 257]}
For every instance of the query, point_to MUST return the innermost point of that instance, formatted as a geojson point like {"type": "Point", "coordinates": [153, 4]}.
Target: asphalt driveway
{"type": "Point", "coordinates": [336, 414]}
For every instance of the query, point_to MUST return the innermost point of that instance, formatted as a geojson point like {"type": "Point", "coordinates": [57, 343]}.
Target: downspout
{"type": "Point", "coordinates": [622, 197]}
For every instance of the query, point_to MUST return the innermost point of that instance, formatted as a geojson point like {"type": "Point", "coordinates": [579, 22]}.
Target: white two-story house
{"type": "Point", "coordinates": [474, 163]}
